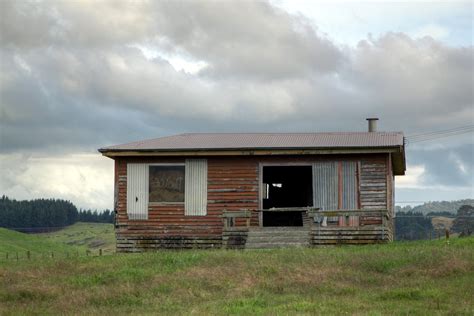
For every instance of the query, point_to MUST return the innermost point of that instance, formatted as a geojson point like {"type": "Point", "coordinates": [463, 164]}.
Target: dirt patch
{"type": "Point", "coordinates": [442, 223]}
{"type": "Point", "coordinates": [444, 268]}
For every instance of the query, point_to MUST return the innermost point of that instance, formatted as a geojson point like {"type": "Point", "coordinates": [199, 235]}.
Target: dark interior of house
{"type": "Point", "coordinates": [286, 186]}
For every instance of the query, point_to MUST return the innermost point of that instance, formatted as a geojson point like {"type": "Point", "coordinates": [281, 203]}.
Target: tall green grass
{"type": "Point", "coordinates": [415, 278]}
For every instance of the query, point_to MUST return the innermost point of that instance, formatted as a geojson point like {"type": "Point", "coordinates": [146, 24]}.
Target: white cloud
{"type": "Point", "coordinates": [413, 177]}
{"type": "Point", "coordinates": [435, 31]}
{"type": "Point", "coordinates": [347, 22]}
{"type": "Point", "coordinates": [85, 179]}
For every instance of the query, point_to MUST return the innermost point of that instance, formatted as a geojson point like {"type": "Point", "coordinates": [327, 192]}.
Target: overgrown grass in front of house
{"type": "Point", "coordinates": [416, 278]}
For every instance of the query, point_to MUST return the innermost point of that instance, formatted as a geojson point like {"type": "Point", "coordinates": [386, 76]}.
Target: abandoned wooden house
{"type": "Point", "coordinates": [256, 190]}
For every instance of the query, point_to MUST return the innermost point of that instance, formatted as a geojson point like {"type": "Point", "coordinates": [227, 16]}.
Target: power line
{"type": "Point", "coordinates": [442, 131]}
{"type": "Point", "coordinates": [422, 137]}
{"type": "Point", "coordinates": [423, 201]}
{"type": "Point", "coordinates": [438, 137]}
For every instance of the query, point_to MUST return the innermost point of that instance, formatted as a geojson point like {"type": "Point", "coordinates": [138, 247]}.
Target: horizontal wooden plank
{"type": "Point", "coordinates": [356, 237]}
{"type": "Point", "coordinates": [231, 190]}
{"type": "Point", "coordinates": [347, 233]}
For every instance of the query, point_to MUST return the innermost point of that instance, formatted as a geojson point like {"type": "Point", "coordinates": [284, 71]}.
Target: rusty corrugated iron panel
{"type": "Point", "coordinates": [349, 185]}
{"type": "Point", "coordinates": [195, 187]}
{"type": "Point", "coordinates": [200, 141]}
{"type": "Point", "coordinates": [325, 185]}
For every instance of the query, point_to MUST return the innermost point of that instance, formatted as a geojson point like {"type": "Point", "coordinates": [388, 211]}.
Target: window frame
{"type": "Point", "coordinates": [170, 164]}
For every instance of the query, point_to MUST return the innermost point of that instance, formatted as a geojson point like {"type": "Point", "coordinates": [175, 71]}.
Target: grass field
{"type": "Point", "coordinates": [91, 236]}
{"type": "Point", "coordinates": [13, 242]}
{"type": "Point", "coordinates": [415, 278]}
{"type": "Point", "coordinates": [72, 240]}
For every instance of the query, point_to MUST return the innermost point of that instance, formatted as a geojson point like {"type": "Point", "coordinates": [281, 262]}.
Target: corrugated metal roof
{"type": "Point", "coordinates": [223, 141]}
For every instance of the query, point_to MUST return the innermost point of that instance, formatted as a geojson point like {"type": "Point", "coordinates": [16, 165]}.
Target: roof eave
{"type": "Point", "coordinates": [109, 152]}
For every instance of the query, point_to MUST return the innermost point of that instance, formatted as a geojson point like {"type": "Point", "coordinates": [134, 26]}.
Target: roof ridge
{"type": "Point", "coordinates": [281, 133]}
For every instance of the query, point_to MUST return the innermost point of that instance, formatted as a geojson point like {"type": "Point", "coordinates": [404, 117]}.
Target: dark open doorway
{"type": "Point", "coordinates": [286, 186]}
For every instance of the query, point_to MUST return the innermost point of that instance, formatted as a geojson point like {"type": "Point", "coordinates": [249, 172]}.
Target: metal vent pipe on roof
{"type": "Point", "coordinates": [372, 124]}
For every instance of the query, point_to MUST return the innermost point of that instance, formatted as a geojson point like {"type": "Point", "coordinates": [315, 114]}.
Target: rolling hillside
{"type": "Point", "coordinates": [437, 206]}
{"type": "Point", "coordinates": [12, 242]}
{"type": "Point", "coordinates": [74, 239]}
{"type": "Point", "coordinates": [85, 235]}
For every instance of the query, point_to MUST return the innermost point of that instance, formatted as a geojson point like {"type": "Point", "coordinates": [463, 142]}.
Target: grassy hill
{"type": "Point", "coordinates": [416, 278]}
{"type": "Point", "coordinates": [72, 240]}
{"type": "Point", "coordinates": [12, 242]}
{"type": "Point", "coordinates": [86, 236]}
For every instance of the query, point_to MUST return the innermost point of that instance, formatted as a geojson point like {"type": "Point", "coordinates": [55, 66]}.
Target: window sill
{"type": "Point", "coordinates": [164, 203]}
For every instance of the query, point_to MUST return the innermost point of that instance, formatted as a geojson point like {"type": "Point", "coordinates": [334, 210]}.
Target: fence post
{"type": "Point", "coordinates": [28, 255]}
{"type": "Point", "coordinates": [17, 256]}
{"type": "Point", "coordinates": [52, 254]}
{"type": "Point", "coordinates": [100, 252]}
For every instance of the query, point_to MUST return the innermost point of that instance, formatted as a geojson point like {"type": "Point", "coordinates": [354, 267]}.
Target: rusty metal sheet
{"type": "Point", "coordinates": [349, 185]}
{"type": "Point", "coordinates": [325, 185]}
{"type": "Point", "coordinates": [216, 141]}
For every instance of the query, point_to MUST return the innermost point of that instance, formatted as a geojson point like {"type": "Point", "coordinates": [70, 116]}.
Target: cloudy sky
{"type": "Point", "coordinates": [79, 75]}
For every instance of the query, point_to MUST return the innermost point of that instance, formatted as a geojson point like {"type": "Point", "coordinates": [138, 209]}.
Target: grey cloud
{"type": "Point", "coordinates": [246, 38]}
{"type": "Point", "coordinates": [446, 166]}
{"type": "Point", "coordinates": [418, 80]}
{"type": "Point", "coordinates": [69, 78]}
{"type": "Point", "coordinates": [46, 23]}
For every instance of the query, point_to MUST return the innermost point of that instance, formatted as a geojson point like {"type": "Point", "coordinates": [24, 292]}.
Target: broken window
{"type": "Point", "coordinates": [166, 183]}
{"type": "Point", "coordinates": [286, 187]}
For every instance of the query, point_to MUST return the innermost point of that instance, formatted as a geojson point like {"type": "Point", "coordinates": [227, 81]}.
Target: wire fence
{"type": "Point", "coordinates": [47, 255]}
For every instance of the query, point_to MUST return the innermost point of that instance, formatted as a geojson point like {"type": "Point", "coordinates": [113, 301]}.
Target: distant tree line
{"type": "Point", "coordinates": [412, 225]}
{"type": "Point", "coordinates": [437, 207]}
{"type": "Point", "coordinates": [43, 213]}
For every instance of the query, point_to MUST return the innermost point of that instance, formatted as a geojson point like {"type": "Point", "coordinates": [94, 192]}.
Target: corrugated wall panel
{"type": "Point", "coordinates": [195, 187]}
{"type": "Point", "coordinates": [325, 185]}
{"type": "Point", "coordinates": [137, 191]}
{"type": "Point", "coordinates": [349, 185]}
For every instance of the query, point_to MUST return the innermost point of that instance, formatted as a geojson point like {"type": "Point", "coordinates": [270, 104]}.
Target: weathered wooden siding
{"type": "Point", "coordinates": [374, 192]}
{"type": "Point", "coordinates": [233, 186]}
{"type": "Point", "coordinates": [370, 234]}
{"type": "Point", "coordinates": [373, 183]}
{"type": "Point", "coordinates": [391, 197]}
